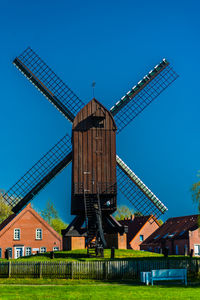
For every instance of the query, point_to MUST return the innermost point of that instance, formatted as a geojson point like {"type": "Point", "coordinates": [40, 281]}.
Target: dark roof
{"type": "Point", "coordinates": [134, 225]}
{"type": "Point", "coordinates": [6, 221]}
{"type": "Point", "coordinates": [173, 228]}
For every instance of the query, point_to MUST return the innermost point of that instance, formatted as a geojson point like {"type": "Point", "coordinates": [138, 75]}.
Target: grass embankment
{"type": "Point", "coordinates": [109, 290]}
{"type": "Point", "coordinates": [81, 255]}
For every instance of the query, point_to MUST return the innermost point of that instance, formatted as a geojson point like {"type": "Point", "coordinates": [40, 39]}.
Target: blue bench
{"type": "Point", "coordinates": [169, 274]}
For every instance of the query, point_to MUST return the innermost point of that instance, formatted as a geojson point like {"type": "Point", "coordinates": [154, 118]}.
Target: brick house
{"type": "Point", "coordinates": [179, 235]}
{"type": "Point", "coordinates": [139, 228]}
{"type": "Point", "coordinates": [27, 233]}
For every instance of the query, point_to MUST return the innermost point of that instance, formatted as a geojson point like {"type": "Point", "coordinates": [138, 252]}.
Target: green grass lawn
{"type": "Point", "coordinates": [81, 255]}
{"type": "Point", "coordinates": [98, 290]}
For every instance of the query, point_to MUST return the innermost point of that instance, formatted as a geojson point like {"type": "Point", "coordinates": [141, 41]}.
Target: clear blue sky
{"type": "Point", "coordinates": [114, 43]}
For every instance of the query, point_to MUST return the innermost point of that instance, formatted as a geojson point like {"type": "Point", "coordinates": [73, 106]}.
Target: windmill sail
{"type": "Point", "coordinates": [48, 83]}
{"type": "Point", "coordinates": [142, 198]}
{"type": "Point", "coordinates": [142, 94]}
{"type": "Point", "coordinates": [28, 186]}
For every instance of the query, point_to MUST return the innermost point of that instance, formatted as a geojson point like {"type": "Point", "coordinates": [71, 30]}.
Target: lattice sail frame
{"type": "Point", "coordinates": [48, 83]}
{"type": "Point", "coordinates": [142, 94]}
{"type": "Point", "coordinates": [53, 162]}
{"type": "Point", "coordinates": [140, 196]}
{"type": "Point", "coordinates": [61, 96]}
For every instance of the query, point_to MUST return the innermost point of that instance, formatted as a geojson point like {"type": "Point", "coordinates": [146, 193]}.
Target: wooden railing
{"type": "Point", "coordinates": [102, 270]}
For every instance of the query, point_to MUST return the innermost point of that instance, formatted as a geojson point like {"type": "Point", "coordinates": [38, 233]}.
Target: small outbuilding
{"type": "Point", "coordinates": [180, 235]}
{"type": "Point", "coordinates": [27, 233]}
{"type": "Point", "coordinates": [139, 229]}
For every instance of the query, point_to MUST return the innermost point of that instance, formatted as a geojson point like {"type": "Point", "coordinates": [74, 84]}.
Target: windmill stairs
{"type": "Point", "coordinates": [95, 240]}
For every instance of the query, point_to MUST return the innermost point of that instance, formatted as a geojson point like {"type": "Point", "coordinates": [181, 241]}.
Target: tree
{"type": "Point", "coordinates": [49, 212]}
{"type": "Point", "coordinates": [5, 210]}
{"type": "Point", "coordinates": [123, 212]}
{"type": "Point", "coordinates": [160, 221]}
{"type": "Point", "coordinates": [58, 225]}
{"type": "Point", "coordinates": [196, 194]}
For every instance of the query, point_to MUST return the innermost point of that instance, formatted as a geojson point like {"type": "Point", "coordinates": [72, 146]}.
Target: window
{"type": "Point", "coordinates": [0, 252]}
{"type": "Point", "coordinates": [171, 235]}
{"type": "Point", "coordinates": [10, 252]}
{"type": "Point", "coordinates": [185, 249]}
{"type": "Point", "coordinates": [55, 248]}
{"type": "Point", "coordinates": [16, 234]}
{"type": "Point", "coordinates": [166, 235]}
{"type": "Point", "coordinates": [28, 251]}
{"type": "Point", "coordinates": [141, 237]}
{"type": "Point", "coordinates": [38, 234]}
{"type": "Point", "coordinates": [43, 249]}
{"type": "Point", "coordinates": [182, 232]}
{"type": "Point", "coordinates": [196, 250]}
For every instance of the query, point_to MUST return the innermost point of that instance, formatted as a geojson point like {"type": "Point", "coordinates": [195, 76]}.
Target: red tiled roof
{"type": "Point", "coordinates": [134, 225]}
{"type": "Point", "coordinates": [6, 221]}
{"type": "Point", "coordinates": [173, 228]}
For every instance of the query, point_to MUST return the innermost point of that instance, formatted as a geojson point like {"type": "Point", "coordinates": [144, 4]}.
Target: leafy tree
{"type": "Point", "coordinates": [49, 212]}
{"type": "Point", "coordinates": [123, 212]}
{"type": "Point", "coordinates": [160, 221]}
{"type": "Point", "coordinates": [58, 225]}
{"type": "Point", "coordinates": [137, 214]}
{"type": "Point", "coordinates": [196, 194]}
{"type": "Point", "coordinates": [5, 210]}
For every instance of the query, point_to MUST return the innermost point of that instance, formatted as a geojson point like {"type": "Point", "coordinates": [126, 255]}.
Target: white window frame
{"type": "Point", "coordinates": [17, 238]}
{"type": "Point", "coordinates": [195, 253]}
{"type": "Point", "coordinates": [15, 251]}
{"type": "Point", "coordinates": [38, 236]}
{"type": "Point", "coordinates": [57, 248]}
{"type": "Point", "coordinates": [43, 248]}
{"type": "Point", "coordinates": [26, 251]}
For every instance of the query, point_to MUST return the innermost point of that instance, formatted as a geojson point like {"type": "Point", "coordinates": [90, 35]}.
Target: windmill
{"type": "Point", "coordinates": [93, 196]}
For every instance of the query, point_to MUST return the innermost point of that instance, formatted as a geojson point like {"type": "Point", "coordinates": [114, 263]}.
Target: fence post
{"type": "Point", "coordinates": [9, 269]}
{"type": "Point", "coordinates": [40, 269]}
{"type": "Point", "coordinates": [197, 267]}
{"type": "Point", "coordinates": [104, 270]}
{"type": "Point", "coordinates": [72, 269]}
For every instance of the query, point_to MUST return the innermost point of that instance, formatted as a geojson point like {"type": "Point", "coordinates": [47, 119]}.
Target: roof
{"type": "Point", "coordinates": [7, 223]}
{"type": "Point", "coordinates": [134, 225]}
{"type": "Point", "coordinates": [173, 228]}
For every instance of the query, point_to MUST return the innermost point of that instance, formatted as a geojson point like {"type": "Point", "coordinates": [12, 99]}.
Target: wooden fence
{"type": "Point", "coordinates": [121, 269]}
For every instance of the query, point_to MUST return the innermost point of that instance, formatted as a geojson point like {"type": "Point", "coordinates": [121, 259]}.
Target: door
{"type": "Point", "coordinates": [18, 252]}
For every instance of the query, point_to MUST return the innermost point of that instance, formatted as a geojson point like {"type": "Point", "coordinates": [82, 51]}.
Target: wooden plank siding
{"type": "Point", "coordinates": [93, 157]}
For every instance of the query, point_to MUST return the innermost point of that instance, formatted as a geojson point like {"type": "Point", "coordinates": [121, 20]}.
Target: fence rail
{"type": "Point", "coordinates": [122, 269]}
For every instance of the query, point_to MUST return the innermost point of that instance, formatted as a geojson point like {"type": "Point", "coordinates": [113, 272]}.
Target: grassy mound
{"type": "Point", "coordinates": [81, 255]}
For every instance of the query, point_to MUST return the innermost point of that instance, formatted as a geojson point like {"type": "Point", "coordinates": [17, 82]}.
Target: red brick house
{"type": "Point", "coordinates": [139, 228]}
{"type": "Point", "coordinates": [179, 235]}
{"type": "Point", "coordinates": [26, 234]}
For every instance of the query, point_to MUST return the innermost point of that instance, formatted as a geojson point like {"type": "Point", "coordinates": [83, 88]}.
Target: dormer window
{"type": "Point", "coordinates": [17, 234]}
